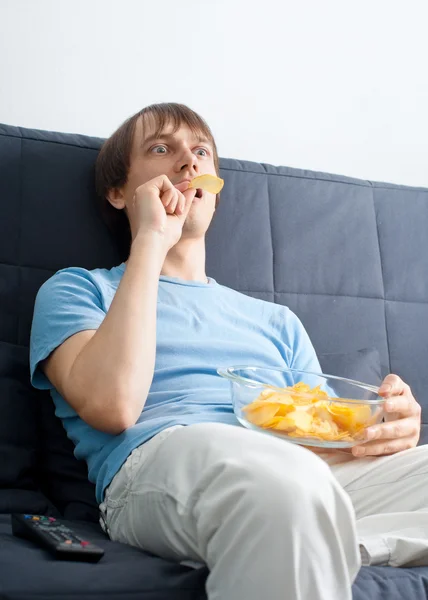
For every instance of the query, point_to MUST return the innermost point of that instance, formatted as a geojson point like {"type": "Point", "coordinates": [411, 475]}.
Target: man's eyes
{"type": "Point", "coordinates": [204, 150]}
{"type": "Point", "coordinates": [156, 149]}
{"type": "Point", "coordinates": [161, 149]}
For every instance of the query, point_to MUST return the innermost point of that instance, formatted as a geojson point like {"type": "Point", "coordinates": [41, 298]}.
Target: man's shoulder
{"type": "Point", "coordinates": [71, 283]}
{"type": "Point", "coordinates": [78, 275]}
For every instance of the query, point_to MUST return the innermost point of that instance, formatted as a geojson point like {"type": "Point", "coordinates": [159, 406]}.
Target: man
{"type": "Point", "coordinates": [130, 356]}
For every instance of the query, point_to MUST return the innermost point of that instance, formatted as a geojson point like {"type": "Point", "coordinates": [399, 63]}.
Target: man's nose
{"type": "Point", "coordinates": [187, 160]}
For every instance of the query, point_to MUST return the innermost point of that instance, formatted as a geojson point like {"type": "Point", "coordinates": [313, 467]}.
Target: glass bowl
{"type": "Point", "coordinates": [313, 409]}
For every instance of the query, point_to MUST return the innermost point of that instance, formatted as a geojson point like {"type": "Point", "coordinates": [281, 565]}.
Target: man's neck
{"type": "Point", "coordinates": [186, 260]}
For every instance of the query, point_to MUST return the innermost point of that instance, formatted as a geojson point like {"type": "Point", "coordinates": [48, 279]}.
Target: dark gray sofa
{"type": "Point", "coordinates": [350, 257]}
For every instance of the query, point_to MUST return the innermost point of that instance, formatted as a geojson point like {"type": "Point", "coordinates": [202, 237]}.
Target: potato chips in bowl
{"type": "Point", "coordinates": [307, 408]}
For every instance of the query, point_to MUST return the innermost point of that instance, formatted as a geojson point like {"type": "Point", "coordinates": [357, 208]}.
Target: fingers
{"type": "Point", "coordinates": [167, 197]}
{"type": "Point", "coordinates": [392, 385]}
{"type": "Point", "coordinates": [383, 448]}
{"type": "Point", "coordinates": [181, 204]}
{"type": "Point", "coordinates": [174, 205]}
{"type": "Point", "coordinates": [176, 199]}
{"type": "Point", "coordinates": [170, 196]}
{"type": "Point", "coordinates": [387, 438]}
{"type": "Point", "coordinates": [173, 201]}
{"type": "Point", "coordinates": [163, 183]}
{"type": "Point", "coordinates": [188, 196]}
{"type": "Point", "coordinates": [401, 429]}
{"type": "Point", "coordinates": [399, 397]}
{"type": "Point", "coordinates": [405, 406]}
{"type": "Point", "coordinates": [394, 429]}
{"type": "Point", "coordinates": [183, 186]}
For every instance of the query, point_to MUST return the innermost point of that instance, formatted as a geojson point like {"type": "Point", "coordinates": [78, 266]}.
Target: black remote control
{"type": "Point", "coordinates": [59, 539]}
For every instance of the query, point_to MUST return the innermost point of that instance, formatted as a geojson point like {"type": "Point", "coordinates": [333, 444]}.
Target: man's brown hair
{"type": "Point", "coordinates": [113, 162]}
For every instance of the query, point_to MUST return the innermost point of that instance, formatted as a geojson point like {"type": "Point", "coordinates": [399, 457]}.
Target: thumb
{"type": "Point", "coordinates": [189, 196]}
{"type": "Point", "coordinates": [392, 385]}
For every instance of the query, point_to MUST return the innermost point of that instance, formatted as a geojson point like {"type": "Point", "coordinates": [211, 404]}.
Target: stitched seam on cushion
{"type": "Point", "coordinates": [324, 294]}
{"type": "Point", "coordinates": [372, 485]}
{"type": "Point", "coordinates": [21, 216]}
{"type": "Point", "coordinates": [271, 237]}
{"type": "Point", "coordinates": [7, 264]}
{"type": "Point", "coordinates": [383, 281]}
{"type": "Point", "coordinates": [33, 139]}
{"type": "Point", "coordinates": [315, 294]}
{"type": "Point", "coordinates": [337, 296]}
{"type": "Point", "coordinates": [364, 183]}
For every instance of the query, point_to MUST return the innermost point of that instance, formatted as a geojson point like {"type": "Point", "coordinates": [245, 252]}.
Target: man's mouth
{"type": "Point", "coordinates": [184, 185]}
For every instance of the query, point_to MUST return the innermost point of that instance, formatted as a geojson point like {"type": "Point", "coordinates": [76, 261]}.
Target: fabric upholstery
{"type": "Point", "coordinates": [123, 572]}
{"type": "Point", "coordinates": [347, 256]}
{"type": "Point", "coordinates": [361, 365]}
{"type": "Point", "coordinates": [19, 434]}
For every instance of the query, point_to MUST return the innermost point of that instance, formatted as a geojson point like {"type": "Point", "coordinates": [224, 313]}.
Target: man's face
{"type": "Point", "coordinates": [180, 156]}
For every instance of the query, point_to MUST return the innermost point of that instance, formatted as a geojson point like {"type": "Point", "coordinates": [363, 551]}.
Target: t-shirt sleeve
{"type": "Point", "coordinates": [67, 303]}
{"type": "Point", "coordinates": [304, 357]}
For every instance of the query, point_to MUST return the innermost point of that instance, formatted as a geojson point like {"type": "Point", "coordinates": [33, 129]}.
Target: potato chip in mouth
{"type": "Point", "coordinates": [209, 183]}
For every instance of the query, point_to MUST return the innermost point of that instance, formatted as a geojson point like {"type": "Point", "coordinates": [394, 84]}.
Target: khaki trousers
{"type": "Point", "coordinates": [269, 518]}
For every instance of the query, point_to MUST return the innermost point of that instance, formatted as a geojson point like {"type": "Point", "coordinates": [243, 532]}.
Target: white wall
{"type": "Point", "coordinates": [330, 85]}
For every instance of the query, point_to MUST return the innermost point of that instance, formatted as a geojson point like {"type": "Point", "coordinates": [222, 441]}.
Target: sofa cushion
{"type": "Point", "coordinates": [361, 365]}
{"type": "Point", "coordinates": [38, 470]}
{"type": "Point", "coordinates": [42, 176]}
{"type": "Point", "coordinates": [329, 247]}
{"type": "Point", "coordinates": [124, 572]}
{"type": "Point", "coordinates": [285, 250]}
{"type": "Point", "coordinates": [19, 435]}
{"type": "Point", "coordinates": [128, 572]}
{"type": "Point", "coordinates": [62, 478]}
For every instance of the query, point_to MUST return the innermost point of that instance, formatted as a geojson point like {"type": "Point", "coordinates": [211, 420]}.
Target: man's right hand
{"type": "Point", "coordinates": [158, 206]}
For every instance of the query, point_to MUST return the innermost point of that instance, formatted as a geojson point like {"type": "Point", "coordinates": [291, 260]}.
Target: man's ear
{"type": "Point", "coordinates": [116, 198]}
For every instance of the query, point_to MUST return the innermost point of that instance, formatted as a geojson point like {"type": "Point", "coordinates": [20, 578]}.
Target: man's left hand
{"type": "Point", "coordinates": [402, 426]}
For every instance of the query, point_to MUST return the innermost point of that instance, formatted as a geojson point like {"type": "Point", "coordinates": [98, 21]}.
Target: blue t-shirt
{"type": "Point", "coordinates": [200, 327]}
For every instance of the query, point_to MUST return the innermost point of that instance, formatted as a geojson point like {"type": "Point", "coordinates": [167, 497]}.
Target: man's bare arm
{"type": "Point", "coordinates": [105, 375]}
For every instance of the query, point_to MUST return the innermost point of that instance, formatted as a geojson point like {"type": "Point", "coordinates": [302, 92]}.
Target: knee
{"type": "Point", "coordinates": [283, 474]}
{"type": "Point", "coordinates": [245, 471]}
{"type": "Point", "coordinates": [303, 478]}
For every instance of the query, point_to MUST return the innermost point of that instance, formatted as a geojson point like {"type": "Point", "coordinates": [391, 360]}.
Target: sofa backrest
{"type": "Point", "coordinates": [349, 257]}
